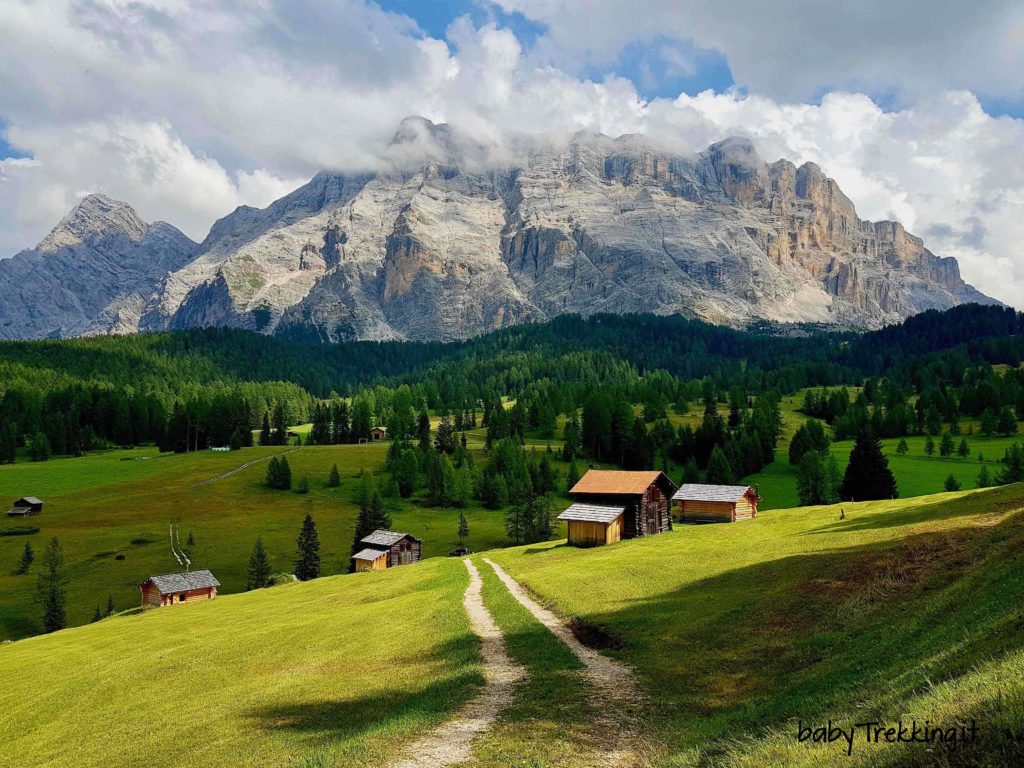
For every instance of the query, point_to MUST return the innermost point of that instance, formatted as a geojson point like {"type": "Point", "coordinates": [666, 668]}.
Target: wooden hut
{"type": "Point", "coordinates": [398, 548]}
{"type": "Point", "coordinates": [174, 588]}
{"type": "Point", "coordinates": [370, 559]}
{"type": "Point", "coordinates": [25, 507]}
{"type": "Point", "coordinates": [378, 433]}
{"type": "Point", "coordinates": [643, 497]}
{"type": "Point", "coordinates": [592, 525]}
{"type": "Point", "coordinates": [699, 503]}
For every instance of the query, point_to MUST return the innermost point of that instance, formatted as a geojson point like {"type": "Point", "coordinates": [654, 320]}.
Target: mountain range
{"type": "Point", "coordinates": [446, 241]}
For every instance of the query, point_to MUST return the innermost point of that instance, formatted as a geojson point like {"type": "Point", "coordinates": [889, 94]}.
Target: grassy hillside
{"type": "Point", "coordinates": [905, 608]}
{"type": "Point", "coordinates": [338, 671]}
{"type": "Point", "coordinates": [112, 510]}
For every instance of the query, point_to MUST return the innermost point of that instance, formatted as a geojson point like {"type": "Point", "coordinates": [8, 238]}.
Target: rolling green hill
{"type": "Point", "coordinates": [907, 608]}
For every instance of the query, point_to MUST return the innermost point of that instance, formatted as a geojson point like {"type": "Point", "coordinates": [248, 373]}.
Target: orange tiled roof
{"type": "Point", "coordinates": [615, 481]}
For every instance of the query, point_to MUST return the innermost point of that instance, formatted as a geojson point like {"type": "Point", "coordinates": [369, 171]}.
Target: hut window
{"type": "Point", "coordinates": [181, 598]}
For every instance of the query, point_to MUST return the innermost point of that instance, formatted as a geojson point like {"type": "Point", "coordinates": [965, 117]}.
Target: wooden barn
{"type": "Point", "coordinates": [393, 547]}
{"type": "Point", "coordinates": [642, 497]}
{"type": "Point", "coordinates": [371, 559]}
{"type": "Point", "coordinates": [698, 503]}
{"type": "Point", "coordinates": [25, 507]}
{"type": "Point", "coordinates": [591, 525]}
{"type": "Point", "coordinates": [378, 433]}
{"type": "Point", "coordinates": [173, 588]}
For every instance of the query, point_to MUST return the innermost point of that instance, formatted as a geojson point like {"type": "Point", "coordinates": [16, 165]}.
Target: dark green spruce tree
{"type": "Point", "coordinates": [307, 566]}
{"type": "Point", "coordinates": [52, 586]}
{"type": "Point", "coordinates": [259, 567]}
{"type": "Point", "coordinates": [868, 476]}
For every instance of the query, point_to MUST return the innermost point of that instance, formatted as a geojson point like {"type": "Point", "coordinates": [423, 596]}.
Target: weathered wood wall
{"type": "Point", "coordinates": [373, 565]}
{"type": "Point", "coordinates": [588, 534]}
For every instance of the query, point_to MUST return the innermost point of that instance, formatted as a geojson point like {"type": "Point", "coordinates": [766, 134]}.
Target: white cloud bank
{"type": "Point", "coordinates": [187, 110]}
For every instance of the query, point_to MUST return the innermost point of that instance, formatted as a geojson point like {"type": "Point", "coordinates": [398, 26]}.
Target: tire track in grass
{"type": "Point", "coordinates": [451, 742]}
{"type": "Point", "coordinates": [615, 695]}
{"type": "Point", "coordinates": [242, 468]}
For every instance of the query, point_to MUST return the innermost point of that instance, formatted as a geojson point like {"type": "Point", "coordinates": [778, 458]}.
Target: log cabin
{"type": "Point", "coordinates": [591, 525]}
{"type": "Point", "coordinates": [25, 507]}
{"type": "Point", "coordinates": [699, 503]}
{"type": "Point", "coordinates": [378, 433]}
{"type": "Point", "coordinates": [175, 588]}
{"type": "Point", "coordinates": [398, 548]}
{"type": "Point", "coordinates": [643, 498]}
{"type": "Point", "coordinates": [370, 559]}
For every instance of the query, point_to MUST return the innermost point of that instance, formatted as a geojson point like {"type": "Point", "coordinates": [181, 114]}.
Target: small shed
{"type": "Point", "coordinates": [25, 506]}
{"type": "Point", "coordinates": [399, 547]}
{"type": "Point", "coordinates": [379, 433]}
{"type": "Point", "coordinates": [371, 559]}
{"type": "Point", "coordinates": [591, 525]}
{"type": "Point", "coordinates": [644, 496]}
{"type": "Point", "coordinates": [700, 503]}
{"type": "Point", "coordinates": [173, 588]}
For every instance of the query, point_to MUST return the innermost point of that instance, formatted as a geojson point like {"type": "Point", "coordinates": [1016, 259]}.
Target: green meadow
{"type": "Point", "coordinates": [112, 512]}
{"type": "Point", "coordinates": [335, 671]}
{"type": "Point", "coordinates": [907, 608]}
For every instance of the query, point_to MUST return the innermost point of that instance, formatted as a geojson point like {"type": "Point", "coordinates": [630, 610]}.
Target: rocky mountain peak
{"type": "Point", "coordinates": [95, 217]}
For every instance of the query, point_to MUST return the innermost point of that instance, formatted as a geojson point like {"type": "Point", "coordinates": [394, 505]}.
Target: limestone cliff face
{"type": "Point", "coordinates": [91, 275]}
{"type": "Point", "coordinates": [445, 246]}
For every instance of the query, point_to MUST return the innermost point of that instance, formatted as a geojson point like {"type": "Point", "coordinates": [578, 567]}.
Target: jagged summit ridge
{"type": "Point", "coordinates": [453, 240]}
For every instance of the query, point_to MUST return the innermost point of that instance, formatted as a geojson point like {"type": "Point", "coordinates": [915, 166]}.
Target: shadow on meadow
{"type": "Point", "coordinates": [853, 630]}
{"type": "Point", "coordinates": [961, 506]}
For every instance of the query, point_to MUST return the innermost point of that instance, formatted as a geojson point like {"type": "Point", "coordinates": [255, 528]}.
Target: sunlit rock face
{"type": "Point", "coordinates": [445, 242]}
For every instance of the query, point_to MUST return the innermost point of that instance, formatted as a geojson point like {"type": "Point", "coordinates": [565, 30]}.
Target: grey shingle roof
{"type": "Point", "coordinates": [700, 492]}
{"type": "Point", "coordinates": [591, 513]}
{"type": "Point", "coordinates": [28, 500]}
{"type": "Point", "coordinates": [183, 582]}
{"type": "Point", "coordinates": [382, 538]}
{"type": "Point", "coordinates": [368, 554]}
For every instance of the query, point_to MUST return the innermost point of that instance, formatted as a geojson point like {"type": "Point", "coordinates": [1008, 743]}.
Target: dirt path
{"type": "Point", "coordinates": [614, 691]}
{"type": "Point", "coordinates": [241, 468]}
{"type": "Point", "coordinates": [450, 743]}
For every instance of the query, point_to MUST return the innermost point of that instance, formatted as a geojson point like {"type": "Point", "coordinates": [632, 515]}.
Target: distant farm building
{"type": "Point", "coordinates": [172, 588]}
{"type": "Point", "coordinates": [379, 433]}
{"type": "Point", "coordinates": [698, 503]}
{"type": "Point", "coordinates": [25, 506]}
{"type": "Point", "coordinates": [387, 549]}
{"type": "Point", "coordinates": [612, 505]}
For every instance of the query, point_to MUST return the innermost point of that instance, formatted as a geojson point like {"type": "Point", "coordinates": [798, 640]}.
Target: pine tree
{"type": "Point", "coordinates": [259, 566]}
{"type": "Point", "coordinates": [110, 605]}
{"type": "Point", "coordinates": [1013, 465]}
{"type": "Point", "coordinates": [572, 476]}
{"type": "Point", "coordinates": [27, 556]}
{"type": "Point", "coordinates": [51, 586]}
{"type": "Point", "coordinates": [868, 476]}
{"type": "Point", "coordinates": [929, 446]}
{"type": "Point", "coordinates": [371, 514]}
{"type": "Point", "coordinates": [952, 484]}
{"type": "Point", "coordinates": [463, 527]}
{"type": "Point", "coordinates": [407, 473]}
{"type": "Point", "coordinates": [946, 445]}
{"type": "Point", "coordinates": [984, 480]}
{"type": "Point", "coordinates": [266, 437]}
{"type": "Point", "coordinates": [307, 566]}
{"type": "Point", "coordinates": [302, 487]}
{"type": "Point", "coordinates": [280, 433]}
{"type": "Point", "coordinates": [691, 472]}
{"type": "Point", "coordinates": [902, 448]}
{"type": "Point", "coordinates": [1006, 423]}
{"type": "Point", "coordinates": [817, 479]}
{"type": "Point", "coordinates": [8, 445]}
{"type": "Point", "coordinates": [284, 481]}
{"type": "Point", "coordinates": [334, 477]}
{"type": "Point", "coordinates": [97, 616]}
{"type": "Point", "coordinates": [423, 430]}
{"type": "Point", "coordinates": [39, 450]}
{"type": "Point", "coordinates": [719, 471]}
